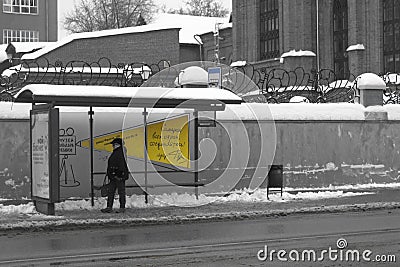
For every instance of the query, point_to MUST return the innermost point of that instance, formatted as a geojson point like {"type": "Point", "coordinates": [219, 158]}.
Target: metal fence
{"type": "Point", "coordinates": [76, 72]}
{"type": "Point", "coordinates": [269, 85]}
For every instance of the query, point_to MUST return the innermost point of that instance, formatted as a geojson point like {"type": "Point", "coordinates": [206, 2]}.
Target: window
{"type": "Point", "coordinates": [20, 36]}
{"type": "Point", "coordinates": [269, 29]}
{"type": "Point", "coordinates": [340, 39]}
{"type": "Point", "coordinates": [20, 6]}
{"type": "Point", "coordinates": [391, 35]}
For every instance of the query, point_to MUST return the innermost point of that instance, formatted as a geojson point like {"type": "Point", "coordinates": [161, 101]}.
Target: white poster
{"type": "Point", "coordinates": [40, 155]}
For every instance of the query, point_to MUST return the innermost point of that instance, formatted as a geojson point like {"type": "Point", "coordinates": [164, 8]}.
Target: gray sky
{"type": "Point", "coordinates": [67, 5]}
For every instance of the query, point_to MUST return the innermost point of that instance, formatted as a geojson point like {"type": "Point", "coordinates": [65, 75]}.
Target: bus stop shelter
{"type": "Point", "coordinates": [45, 97]}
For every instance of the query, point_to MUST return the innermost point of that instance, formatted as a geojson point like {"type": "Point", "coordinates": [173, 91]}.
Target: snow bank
{"type": "Point", "coordinates": [245, 111]}
{"type": "Point", "coordinates": [180, 200]}
{"type": "Point", "coordinates": [293, 111]}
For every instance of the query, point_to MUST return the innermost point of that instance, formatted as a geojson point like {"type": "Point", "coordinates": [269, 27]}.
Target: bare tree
{"type": "Point", "coordinates": [207, 8]}
{"type": "Point", "coordinates": [88, 15]}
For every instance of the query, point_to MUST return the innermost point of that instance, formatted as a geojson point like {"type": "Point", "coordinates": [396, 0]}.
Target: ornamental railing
{"type": "Point", "coordinates": [269, 85]}
{"type": "Point", "coordinates": [101, 72]}
{"type": "Point", "coordinates": [277, 85]}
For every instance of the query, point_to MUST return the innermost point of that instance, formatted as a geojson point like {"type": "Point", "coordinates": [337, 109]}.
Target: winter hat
{"type": "Point", "coordinates": [116, 141]}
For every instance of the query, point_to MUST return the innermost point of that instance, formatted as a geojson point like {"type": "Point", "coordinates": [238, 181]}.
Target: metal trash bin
{"type": "Point", "coordinates": [275, 178]}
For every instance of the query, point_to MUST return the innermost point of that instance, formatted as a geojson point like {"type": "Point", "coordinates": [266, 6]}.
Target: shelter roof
{"type": "Point", "coordinates": [107, 96]}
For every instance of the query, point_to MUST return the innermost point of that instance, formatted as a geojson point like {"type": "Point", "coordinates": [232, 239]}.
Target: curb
{"type": "Point", "coordinates": [70, 224]}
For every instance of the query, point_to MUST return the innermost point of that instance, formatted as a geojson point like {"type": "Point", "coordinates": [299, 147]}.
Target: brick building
{"type": "Point", "coordinates": [224, 44]}
{"type": "Point", "coordinates": [347, 36]}
{"type": "Point", "coordinates": [28, 21]}
{"type": "Point", "coordinates": [169, 37]}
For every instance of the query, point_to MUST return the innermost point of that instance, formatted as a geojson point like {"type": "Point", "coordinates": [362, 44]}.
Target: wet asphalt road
{"type": "Point", "coordinates": [225, 243]}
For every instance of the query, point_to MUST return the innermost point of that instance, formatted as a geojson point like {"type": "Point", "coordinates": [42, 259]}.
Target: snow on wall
{"type": "Point", "coordinates": [247, 111]}
{"type": "Point", "coordinates": [9, 110]}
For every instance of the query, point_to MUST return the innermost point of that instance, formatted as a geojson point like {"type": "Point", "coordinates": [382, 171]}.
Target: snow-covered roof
{"type": "Point", "coordinates": [188, 25]}
{"type": "Point", "coordinates": [222, 26]}
{"type": "Point", "coordinates": [26, 47]}
{"type": "Point", "coordinates": [107, 96]}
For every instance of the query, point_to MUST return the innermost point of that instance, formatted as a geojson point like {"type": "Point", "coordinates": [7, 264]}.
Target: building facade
{"type": "Point", "coordinates": [218, 47]}
{"type": "Point", "coordinates": [346, 36]}
{"type": "Point", "coordinates": [28, 21]}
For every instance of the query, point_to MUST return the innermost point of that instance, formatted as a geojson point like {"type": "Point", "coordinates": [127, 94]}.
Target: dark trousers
{"type": "Point", "coordinates": [120, 185]}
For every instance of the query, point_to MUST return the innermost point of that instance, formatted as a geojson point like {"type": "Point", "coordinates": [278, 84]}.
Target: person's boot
{"type": "Point", "coordinates": [121, 210]}
{"type": "Point", "coordinates": [106, 210]}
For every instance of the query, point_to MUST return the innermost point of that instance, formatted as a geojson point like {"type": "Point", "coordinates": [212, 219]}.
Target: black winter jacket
{"type": "Point", "coordinates": [117, 167]}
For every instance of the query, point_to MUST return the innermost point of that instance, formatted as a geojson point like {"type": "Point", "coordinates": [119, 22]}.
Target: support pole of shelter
{"type": "Point", "coordinates": [91, 154]}
{"type": "Point", "coordinates": [145, 154]}
{"type": "Point", "coordinates": [196, 152]}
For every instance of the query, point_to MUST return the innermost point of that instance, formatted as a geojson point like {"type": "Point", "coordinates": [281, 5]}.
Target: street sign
{"type": "Point", "coordinates": [214, 77]}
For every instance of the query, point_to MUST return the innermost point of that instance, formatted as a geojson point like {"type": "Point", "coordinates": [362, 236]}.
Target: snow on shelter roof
{"type": "Point", "coordinates": [188, 25]}
{"type": "Point", "coordinates": [107, 96]}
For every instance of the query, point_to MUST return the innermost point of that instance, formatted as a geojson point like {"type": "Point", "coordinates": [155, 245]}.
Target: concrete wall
{"type": "Point", "coordinates": [314, 153]}
{"type": "Point", "coordinates": [14, 159]}
{"type": "Point", "coordinates": [338, 152]}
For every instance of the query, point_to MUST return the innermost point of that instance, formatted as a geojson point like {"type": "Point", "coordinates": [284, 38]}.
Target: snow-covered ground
{"type": "Point", "coordinates": [172, 208]}
{"type": "Point", "coordinates": [189, 200]}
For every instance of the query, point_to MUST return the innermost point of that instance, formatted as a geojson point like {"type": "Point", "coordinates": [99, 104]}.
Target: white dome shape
{"type": "Point", "coordinates": [193, 75]}
{"type": "Point", "coordinates": [370, 81]}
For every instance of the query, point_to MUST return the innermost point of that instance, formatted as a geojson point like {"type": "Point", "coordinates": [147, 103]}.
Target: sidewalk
{"type": "Point", "coordinates": [379, 198]}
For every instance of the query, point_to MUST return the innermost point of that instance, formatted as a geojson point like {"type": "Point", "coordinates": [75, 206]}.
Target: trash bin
{"type": "Point", "coordinates": [275, 178]}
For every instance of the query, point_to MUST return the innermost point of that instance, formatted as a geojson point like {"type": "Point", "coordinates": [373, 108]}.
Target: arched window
{"type": "Point", "coordinates": [269, 29]}
{"type": "Point", "coordinates": [340, 39]}
{"type": "Point", "coordinates": [391, 35]}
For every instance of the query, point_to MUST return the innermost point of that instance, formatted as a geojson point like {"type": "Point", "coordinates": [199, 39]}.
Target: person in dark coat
{"type": "Point", "coordinates": [118, 173]}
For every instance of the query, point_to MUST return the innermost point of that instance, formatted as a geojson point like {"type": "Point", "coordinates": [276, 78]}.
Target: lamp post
{"type": "Point", "coordinates": [145, 72]}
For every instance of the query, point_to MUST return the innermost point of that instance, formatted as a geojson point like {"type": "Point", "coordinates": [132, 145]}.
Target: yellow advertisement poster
{"type": "Point", "coordinates": [167, 141]}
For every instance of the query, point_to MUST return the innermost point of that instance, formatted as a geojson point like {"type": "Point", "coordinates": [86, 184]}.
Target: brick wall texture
{"type": "Point", "coordinates": [298, 30]}
{"type": "Point", "coordinates": [147, 47]}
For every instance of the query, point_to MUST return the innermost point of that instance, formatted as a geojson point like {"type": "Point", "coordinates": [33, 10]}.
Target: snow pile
{"type": "Point", "coordinates": [348, 187]}
{"type": "Point", "coordinates": [174, 199]}
{"type": "Point", "coordinates": [293, 111]}
{"type": "Point", "coordinates": [17, 209]}
{"type": "Point", "coordinates": [245, 111]}
{"type": "Point", "coordinates": [260, 195]}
